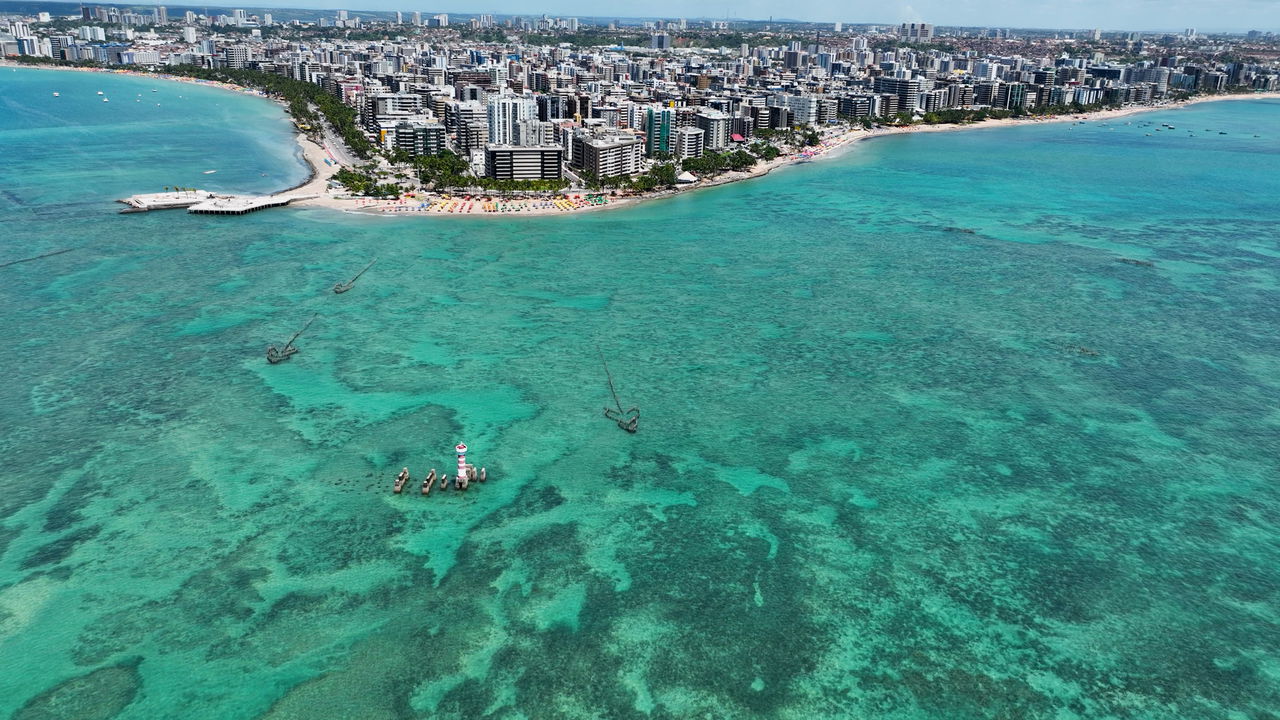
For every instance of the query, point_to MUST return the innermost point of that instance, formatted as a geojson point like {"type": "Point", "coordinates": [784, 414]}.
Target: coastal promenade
{"type": "Point", "coordinates": [324, 162]}
{"type": "Point", "coordinates": [833, 144]}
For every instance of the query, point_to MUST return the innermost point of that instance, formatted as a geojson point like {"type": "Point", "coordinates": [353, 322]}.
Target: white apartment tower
{"type": "Point", "coordinates": [505, 112]}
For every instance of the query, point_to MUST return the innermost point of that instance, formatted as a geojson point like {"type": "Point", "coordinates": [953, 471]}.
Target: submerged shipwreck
{"type": "Point", "coordinates": [279, 355]}
{"type": "Point", "coordinates": [345, 286]}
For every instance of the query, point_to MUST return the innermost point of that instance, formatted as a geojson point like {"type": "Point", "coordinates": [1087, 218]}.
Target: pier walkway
{"type": "Point", "coordinates": [165, 200]}
{"type": "Point", "coordinates": [202, 202]}
{"type": "Point", "coordinates": [242, 205]}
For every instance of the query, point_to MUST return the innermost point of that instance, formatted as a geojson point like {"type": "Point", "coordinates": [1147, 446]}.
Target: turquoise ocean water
{"type": "Point", "coordinates": [876, 475]}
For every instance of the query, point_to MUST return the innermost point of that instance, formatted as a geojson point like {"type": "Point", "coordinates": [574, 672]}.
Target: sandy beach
{"type": "Point", "coordinates": [833, 144]}
{"type": "Point", "coordinates": [316, 191]}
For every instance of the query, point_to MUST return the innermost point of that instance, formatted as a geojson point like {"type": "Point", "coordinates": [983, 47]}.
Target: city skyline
{"type": "Point", "coordinates": [1133, 16]}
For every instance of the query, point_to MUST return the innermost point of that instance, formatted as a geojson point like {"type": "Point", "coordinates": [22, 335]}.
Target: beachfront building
{"type": "Point", "coordinates": [660, 122]}
{"type": "Point", "coordinates": [689, 142]}
{"type": "Point", "coordinates": [607, 154]}
{"type": "Point", "coordinates": [803, 108]}
{"type": "Point", "coordinates": [907, 90]}
{"type": "Point", "coordinates": [419, 136]}
{"type": "Point", "coordinates": [715, 128]}
{"type": "Point", "coordinates": [510, 162]}
{"type": "Point", "coordinates": [236, 56]}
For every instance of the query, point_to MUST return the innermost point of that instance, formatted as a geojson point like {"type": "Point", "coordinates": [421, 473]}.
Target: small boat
{"type": "Point", "coordinates": [153, 90]}
{"type": "Point", "coordinates": [106, 100]}
{"type": "Point", "coordinates": [343, 287]}
{"type": "Point", "coordinates": [1221, 132]}
{"type": "Point", "coordinates": [56, 95]}
{"type": "Point", "coordinates": [209, 172]}
{"type": "Point", "coordinates": [99, 92]}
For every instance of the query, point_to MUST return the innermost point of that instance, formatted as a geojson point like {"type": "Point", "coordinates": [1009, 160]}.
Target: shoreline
{"type": "Point", "coordinates": [312, 153]}
{"type": "Point", "coordinates": [835, 144]}
{"type": "Point", "coordinates": [323, 164]}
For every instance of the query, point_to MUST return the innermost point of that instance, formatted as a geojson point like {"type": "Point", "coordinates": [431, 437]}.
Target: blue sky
{"type": "Point", "coordinates": [1204, 15]}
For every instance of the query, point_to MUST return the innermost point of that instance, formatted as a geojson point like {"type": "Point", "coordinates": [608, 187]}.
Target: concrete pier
{"type": "Point", "coordinates": [165, 200]}
{"type": "Point", "coordinates": [239, 205]}
{"type": "Point", "coordinates": [203, 202]}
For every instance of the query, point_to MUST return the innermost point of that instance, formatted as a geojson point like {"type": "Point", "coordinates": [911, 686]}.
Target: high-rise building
{"type": "Point", "coordinates": [420, 137]}
{"type": "Point", "coordinates": [417, 18]}
{"type": "Point", "coordinates": [907, 89]}
{"type": "Point", "coordinates": [504, 112]}
{"type": "Point", "coordinates": [161, 15]}
{"type": "Point", "coordinates": [916, 32]}
{"type": "Point", "coordinates": [471, 135]}
{"type": "Point", "coordinates": [803, 108]}
{"type": "Point", "coordinates": [660, 41]}
{"type": "Point", "coordinates": [715, 127]}
{"type": "Point", "coordinates": [188, 34]}
{"type": "Point", "coordinates": [459, 113]}
{"type": "Point", "coordinates": [607, 155]}
{"type": "Point", "coordinates": [57, 44]}
{"type": "Point", "coordinates": [509, 162]}
{"type": "Point", "coordinates": [660, 123]}
{"type": "Point", "coordinates": [553, 107]}
{"type": "Point", "coordinates": [688, 142]}
{"type": "Point", "coordinates": [237, 56]}
{"type": "Point", "coordinates": [532, 132]}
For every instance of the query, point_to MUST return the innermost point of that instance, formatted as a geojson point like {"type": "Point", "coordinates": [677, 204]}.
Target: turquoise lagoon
{"type": "Point", "coordinates": [886, 468]}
